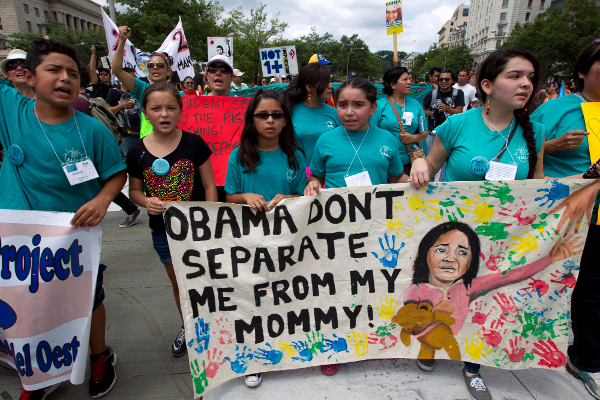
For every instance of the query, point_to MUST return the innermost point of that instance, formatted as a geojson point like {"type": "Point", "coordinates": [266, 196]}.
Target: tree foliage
{"type": "Point", "coordinates": [452, 59]}
{"type": "Point", "coordinates": [558, 35]}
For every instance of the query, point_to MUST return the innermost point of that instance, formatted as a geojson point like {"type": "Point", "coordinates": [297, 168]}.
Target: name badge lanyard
{"type": "Point", "coordinates": [507, 141]}
{"type": "Point", "coordinates": [356, 150]}
{"type": "Point", "coordinates": [497, 170]}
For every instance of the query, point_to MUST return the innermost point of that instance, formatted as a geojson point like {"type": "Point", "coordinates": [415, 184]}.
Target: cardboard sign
{"type": "Point", "coordinates": [277, 61]}
{"type": "Point", "coordinates": [393, 16]}
{"type": "Point", "coordinates": [220, 46]}
{"type": "Point", "coordinates": [219, 121]}
{"type": "Point", "coordinates": [47, 283]}
{"type": "Point", "coordinates": [591, 115]}
{"type": "Point", "coordinates": [472, 271]}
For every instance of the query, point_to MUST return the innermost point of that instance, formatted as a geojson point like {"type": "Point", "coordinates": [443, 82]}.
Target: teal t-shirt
{"type": "Point", "coordinates": [310, 123]}
{"type": "Point", "coordinates": [466, 136]}
{"type": "Point", "coordinates": [273, 175]}
{"type": "Point", "coordinates": [334, 155]}
{"type": "Point", "coordinates": [558, 117]}
{"type": "Point", "coordinates": [39, 183]}
{"type": "Point", "coordinates": [414, 122]}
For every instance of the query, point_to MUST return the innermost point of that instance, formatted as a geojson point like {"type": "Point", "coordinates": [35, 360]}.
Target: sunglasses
{"type": "Point", "coordinates": [13, 65]}
{"type": "Point", "coordinates": [188, 83]}
{"type": "Point", "coordinates": [265, 115]}
{"type": "Point", "coordinates": [103, 73]}
{"type": "Point", "coordinates": [223, 68]}
{"type": "Point", "coordinates": [444, 79]}
{"type": "Point", "coordinates": [159, 65]}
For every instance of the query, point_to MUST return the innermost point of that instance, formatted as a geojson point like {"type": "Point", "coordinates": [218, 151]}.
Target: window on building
{"type": "Point", "coordinates": [28, 26]}
{"type": "Point", "coordinates": [503, 16]}
{"type": "Point", "coordinates": [39, 28]}
{"type": "Point", "coordinates": [0, 24]}
{"type": "Point", "coordinates": [500, 30]}
{"type": "Point", "coordinates": [529, 3]}
{"type": "Point", "coordinates": [504, 3]}
{"type": "Point", "coordinates": [55, 16]}
{"type": "Point", "coordinates": [465, 12]}
{"type": "Point", "coordinates": [542, 4]}
{"type": "Point", "coordinates": [36, 11]}
{"type": "Point", "coordinates": [527, 16]}
{"type": "Point", "coordinates": [498, 43]}
{"type": "Point", "coordinates": [46, 15]}
{"type": "Point", "coordinates": [26, 8]}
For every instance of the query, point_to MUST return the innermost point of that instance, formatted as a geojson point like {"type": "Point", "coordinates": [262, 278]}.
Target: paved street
{"type": "Point", "coordinates": [143, 320]}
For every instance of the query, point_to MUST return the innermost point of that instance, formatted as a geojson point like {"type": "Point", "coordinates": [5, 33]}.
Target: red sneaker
{"type": "Point", "coordinates": [39, 394]}
{"type": "Point", "coordinates": [330, 369]}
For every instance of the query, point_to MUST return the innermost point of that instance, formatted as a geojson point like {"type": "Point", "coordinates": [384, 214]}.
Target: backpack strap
{"type": "Point", "coordinates": [454, 95]}
{"type": "Point", "coordinates": [434, 96]}
{"type": "Point", "coordinates": [389, 99]}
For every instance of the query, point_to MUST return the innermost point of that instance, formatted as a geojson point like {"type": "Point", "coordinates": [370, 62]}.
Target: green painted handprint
{"type": "Point", "coordinates": [501, 191]}
{"type": "Point", "coordinates": [315, 343]}
{"type": "Point", "coordinates": [199, 378]}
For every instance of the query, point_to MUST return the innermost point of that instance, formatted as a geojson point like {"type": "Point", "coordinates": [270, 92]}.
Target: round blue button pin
{"type": "Point", "coordinates": [15, 154]}
{"type": "Point", "coordinates": [160, 166]}
{"type": "Point", "coordinates": [479, 166]}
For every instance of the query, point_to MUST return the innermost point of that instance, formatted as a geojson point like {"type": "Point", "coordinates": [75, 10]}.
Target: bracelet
{"type": "Point", "coordinates": [146, 204]}
{"type": "Point", "coordinates": [429, 166]}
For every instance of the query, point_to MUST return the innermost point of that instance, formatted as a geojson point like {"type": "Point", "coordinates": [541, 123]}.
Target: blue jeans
{"type": "Point", "coordinates": [472, 368]}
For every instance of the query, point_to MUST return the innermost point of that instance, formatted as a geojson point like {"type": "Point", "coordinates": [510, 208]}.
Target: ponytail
{"type": "Point", "coordinates": [523, 120]}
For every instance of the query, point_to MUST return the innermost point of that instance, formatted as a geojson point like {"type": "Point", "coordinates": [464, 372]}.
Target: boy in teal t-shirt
{"type": "Point", "coordinates": [273, 175]}
{"type": "Point", "coordinates": [310, 123]}
{"type": "Point", "coordinates": [333, 157]}
{"type": "Point", "coordinates": [465, 136]}
{"type": "Point", "coordinates": [39, 137]}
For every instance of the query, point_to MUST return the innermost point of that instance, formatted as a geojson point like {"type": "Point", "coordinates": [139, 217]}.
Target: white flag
{"type": "Point", "coordinates": [175, 45]}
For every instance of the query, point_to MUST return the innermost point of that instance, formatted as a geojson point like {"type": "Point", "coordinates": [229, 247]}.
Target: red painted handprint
{"type": "Point", "coordinates": [536, 286]}
{"type": "Point", "coordinates": [225, 337]}
{"type": "Point", "coordinates": [387, 341]}
{"type": "Point", "coordinates": [479, 317]}
{"type": "Point", "coordinates": [508, 307]}
{"type": "Point", "coordinates": [213, 363]}
{"type": "Point", "coordinates": [521, 221]}
{"type": "Point", "coordinates": [493, 337]}
{"type": "Point", "coordinates": [496, 250]}
{"type": "Point", "coordinates": [517, 352]}
{"type": "Point", "coordinates": [567, 279]}
{"type": "Point", "coordinates": [550, 355]}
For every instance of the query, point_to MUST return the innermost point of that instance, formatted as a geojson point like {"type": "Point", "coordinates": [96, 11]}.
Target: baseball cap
{"type": "Point", "coordinates": [237, 72]}
{"type": "Point", "coordinates": [320, 58]}
{"type": "Point", "coordinates": [15, 54]}
{"type": "Point", "coordinates": [222, 58]}
{"type": "Point", "coordinates": [352, 75]}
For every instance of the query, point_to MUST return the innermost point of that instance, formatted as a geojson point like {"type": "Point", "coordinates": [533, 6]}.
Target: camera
{"type": "Point", "coordinates": [98, 47]}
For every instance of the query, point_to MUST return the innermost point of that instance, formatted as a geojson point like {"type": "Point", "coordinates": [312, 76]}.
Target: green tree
{"type": "Point", "coordinates": [557, 35]}
{"type": "Point", "coordinates": [387, 58]}
{"type": "Point", "coordinates": [251, 33]}
{"type": "Point", "coordinates": [452, 59]}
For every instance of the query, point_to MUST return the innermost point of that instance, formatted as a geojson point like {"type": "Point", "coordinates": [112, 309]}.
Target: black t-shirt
{"type": "Point", "coordinates": [181, 183]}
{"type": "Point", "coordinates": [100, 89]}
{"type": "Point", "coordinates": [130, 117]}
{"type": "Point", "coordinates": [446, 97]}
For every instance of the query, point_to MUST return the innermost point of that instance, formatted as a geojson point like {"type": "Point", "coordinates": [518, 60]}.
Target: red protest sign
{"type": "Point", "coordinates": [219, 121]}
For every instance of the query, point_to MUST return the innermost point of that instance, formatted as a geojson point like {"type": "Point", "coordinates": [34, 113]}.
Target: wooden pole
{"type": "Point", "coordinates": [395, 49]}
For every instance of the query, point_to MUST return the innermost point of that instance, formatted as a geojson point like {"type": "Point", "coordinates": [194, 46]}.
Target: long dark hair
{"type": "Point", "coordinates": [367, 87]}
{"type": "Point", "coordinates": [248, 150]}
{"type": "Point", "coordinates": [313, 74]}
{"type": "Point", "coordinates": [391, 75]}
{"type": "Point", "coordinates": [421, 267]}
{"type": "Point", "coordinates": [586, 58]}
{"type": "Point", "coordinates": [490, 68]}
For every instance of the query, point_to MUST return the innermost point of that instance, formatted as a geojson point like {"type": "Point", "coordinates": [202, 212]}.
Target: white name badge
{"type": "Point", "coordinates": [501, 172]}
{"type": "Point", "coordinates": [407, 118]}
{"type": "Point", "coordinates": [362, 179]}
{"type": "Point", "coordinates": [80, 172]}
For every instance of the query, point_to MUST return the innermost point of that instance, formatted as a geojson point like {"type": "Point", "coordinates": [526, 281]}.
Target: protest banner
{"type": "Point", "coordinates": [393, 17]}
{"type": "Point", "coordinates": [220, 46]}
{"type": "Point", "coordinates": [132, 57]}
{"type": "Point", "coordinates": [176, 46]}
{"type": "Point", "coordinates": [473, 271]}
{"type": "Point", "coordinates": [277, 61]}
{"type": "Point", "coordinates": [219, 121]}
{"type": "Point", "coordinates": [591, 115]}
{"type": "Point", "coordinates": [47, 282]}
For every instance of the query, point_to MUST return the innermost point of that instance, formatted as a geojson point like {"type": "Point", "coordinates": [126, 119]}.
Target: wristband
{"type": "Point", "coordinates": [146, 205]}
{"type": "Point", "coordinates": [429, 166]}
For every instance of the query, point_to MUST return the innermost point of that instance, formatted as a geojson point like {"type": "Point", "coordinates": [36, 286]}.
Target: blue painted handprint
{"type": "Point", "coordinates": [558, 191]}
{"type": "Point", "coordinates": [338, 345]}
{"type": "Point", "coordinates": [243, 357]}
{"type": "Point", "coordinates": [202, 336]}
{"type": "Point", "coordinates": [389, 259]}
{"type": "Point", "coordinates": [271, 355]}
{"type": "Point", "coordinates": [303, 351]}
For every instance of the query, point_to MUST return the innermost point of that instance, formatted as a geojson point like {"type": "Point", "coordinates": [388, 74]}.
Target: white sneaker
{"type": "Point", "coordinates": [253, 380]}
{"type": "Point", "coordinates": [591, 379]}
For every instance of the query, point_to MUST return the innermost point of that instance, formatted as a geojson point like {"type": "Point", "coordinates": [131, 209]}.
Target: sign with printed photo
{"type": "Point", "coordinates": [474, 271]}
{"type": "Point", "coordinates": [222, 46]}
{"type": "Point", "coordinates": [393, 16]}
{"type": "Point", "coordinates": [278, 61]}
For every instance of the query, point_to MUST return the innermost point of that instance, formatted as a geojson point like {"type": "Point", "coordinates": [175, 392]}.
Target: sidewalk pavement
{"type": "Point", "coordinates": [142, 321]}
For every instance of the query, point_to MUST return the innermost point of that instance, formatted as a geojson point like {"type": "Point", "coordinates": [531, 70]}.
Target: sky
{"type": "Point", "coordinates": [422, 19]}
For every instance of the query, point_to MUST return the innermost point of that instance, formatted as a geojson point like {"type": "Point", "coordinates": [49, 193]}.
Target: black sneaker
{"type": "Point", "coordinates": [103, 373]}
{"type": "Point", "coordinates": [179, 348]}
{"type": "Point", "coordinates": [39, 394]}
{"type": "Point", "coordinates": [130, 221]}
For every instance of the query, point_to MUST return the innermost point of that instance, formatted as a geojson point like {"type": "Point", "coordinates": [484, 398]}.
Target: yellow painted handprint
{"type": "Point", "coordinates": [475, 348]}
{"type": "Point", "coordinates": [387, 308]}
{"type": "Point", "coordinates": [288, 349]}
{"type": "Point", "coordinates": [483, 211]}
{"type": "Point", "coordinates": [418, 204]}
{"type": "Point", "coordinates": [361, 346]}
{"type": "Point", "coordinates": [525, 244]}
{"type": "Point", "coordinates": [395, 224]}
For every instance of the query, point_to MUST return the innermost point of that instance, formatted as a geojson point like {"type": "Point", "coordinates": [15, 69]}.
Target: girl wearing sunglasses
{"type": "Point", "coordinates": [158, 67]}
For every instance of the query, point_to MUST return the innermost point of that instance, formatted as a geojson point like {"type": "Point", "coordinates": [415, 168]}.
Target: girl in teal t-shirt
{"type": "Point", "coordinates": [306, 99]}
{"type": "Point", "coordinates": [268, 165]}
{"type": "Point", "coordinates": [396, 84]}
{"type": "Point", "coordinates": [469, 141]}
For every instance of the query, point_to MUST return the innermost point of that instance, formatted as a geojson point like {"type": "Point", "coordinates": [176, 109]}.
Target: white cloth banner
{"type": "Point", "coordinates": [175, 45]}
{"type": "Point", "coordinates": [472, 271]}
{"type": "Point", "coordinates": [132, 57]}
{"type": "Point", "coordinates": [47, 284]}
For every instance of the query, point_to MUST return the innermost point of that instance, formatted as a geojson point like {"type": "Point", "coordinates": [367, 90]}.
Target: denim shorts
{"type": "Point", "coordinates": [159, 240]}
{"type": "Point", "coordinates": [99, 294]}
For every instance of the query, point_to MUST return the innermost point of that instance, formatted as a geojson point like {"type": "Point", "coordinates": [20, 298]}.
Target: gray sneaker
{"type": "Point", "coordinates": [591, 379]}
{"type": "Point", "coordinates": [476, 387]}
{"type": "Point", "coordinates": [426, 364]}
{"type": "Point", "coordinates": [130, 221]}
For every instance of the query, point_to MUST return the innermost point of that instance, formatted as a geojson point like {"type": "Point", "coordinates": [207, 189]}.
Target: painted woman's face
{"type": "Point", "coordinates": [449, 258]}
{"type": "Point", "coordinates": [391, 14]}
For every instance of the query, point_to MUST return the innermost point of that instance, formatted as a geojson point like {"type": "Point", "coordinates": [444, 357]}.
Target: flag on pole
{"type": "Point", "coordinates": [175, 45]}
{"type": "Point", "coordinates": [562, 90]}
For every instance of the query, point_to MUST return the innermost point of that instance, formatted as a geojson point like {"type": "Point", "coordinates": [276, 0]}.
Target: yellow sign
{"type": "Point", "coordinates": [393, 16]}
{"type": "Point", "coordinates": [591, 115]}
